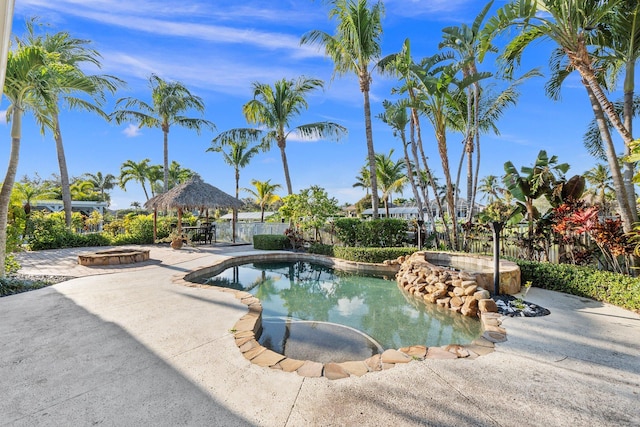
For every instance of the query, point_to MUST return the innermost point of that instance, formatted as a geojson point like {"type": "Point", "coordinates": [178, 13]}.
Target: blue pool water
{"type": "Point", "coordinates": [312, 309]}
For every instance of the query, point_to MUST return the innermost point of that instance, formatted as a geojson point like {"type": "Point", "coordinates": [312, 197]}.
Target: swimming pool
{"type": "Point", "coordinates": [311, 311]}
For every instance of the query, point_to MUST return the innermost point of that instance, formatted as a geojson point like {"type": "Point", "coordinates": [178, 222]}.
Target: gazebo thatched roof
{"type": "Point", "coordinates": [193, 194]}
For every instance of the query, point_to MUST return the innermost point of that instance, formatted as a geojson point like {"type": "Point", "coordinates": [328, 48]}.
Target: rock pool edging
{"type": "Point", "coordinates": [246, 328]}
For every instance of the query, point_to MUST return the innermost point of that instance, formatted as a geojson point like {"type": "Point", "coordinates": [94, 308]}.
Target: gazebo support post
{"type": "Point", "coordinates": [155, 225]}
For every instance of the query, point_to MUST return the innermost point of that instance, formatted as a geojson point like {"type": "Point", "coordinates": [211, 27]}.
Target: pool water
{"type": "Point", "coordinates": [316, 312]}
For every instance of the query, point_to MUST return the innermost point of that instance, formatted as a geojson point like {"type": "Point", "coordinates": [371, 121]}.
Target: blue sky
{"type": "Point", "coordinates": [218, 48]}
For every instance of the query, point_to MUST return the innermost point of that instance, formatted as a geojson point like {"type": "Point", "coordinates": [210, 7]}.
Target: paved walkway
{"type": "Point", "coordinates": [123, 346]}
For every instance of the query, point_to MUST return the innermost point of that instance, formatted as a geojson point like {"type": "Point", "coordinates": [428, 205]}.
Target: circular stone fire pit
{"type": "Point", "coordinates": [113, 257]}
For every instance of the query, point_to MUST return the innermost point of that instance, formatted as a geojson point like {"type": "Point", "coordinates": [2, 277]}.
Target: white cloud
{"type": "Point", "coordinates": [3, 117]}
{"type": "Point", "coordinates": [131, 131]}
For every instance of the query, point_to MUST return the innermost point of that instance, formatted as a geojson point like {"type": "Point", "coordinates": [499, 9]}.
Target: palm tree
{"type": "Point", "coordinates": [354, 47]}
{"type": "Point", "coordinates": [238, 156]}
{"type": "Point", "coordinates": [28, 193]}
{"type": "Point", "coordinates": [101, 183]}
{"type": "Point", "coordinates": [274, 108]}
{"type": "Point", "coordinates": [155, 176]}
{"type": "Point", "coordinates": [363, 180]}
{"type": "Point", "coordinates": [622, 39]}
{"type": "Point", "coordinates": [601, 184]}
{"type": "Point", "coordinates": [572, 25]}
{"type": "Point", "coordinates": [490, 187]}
{"type": "Point", "coordinates": [391, 177]}
{"type": "Point", "coordinates": [131, 170]}
{"type": "Point", "coordinates": [170, 100]}
{"type": "Point", "coordinates": [264, 194]}
{"type": "Point", "coordinates": [70, 86]}
{"type": "Point", "coordinates": [178, 174]}
{"type": "Point", "coordinates": [25, 85]}
{"type": "Point", "coordinates": [395, 115]}
{"type": "Point", "coordinates": [439, 88]}
{"type": "Point", "coordinates": [466, 42]}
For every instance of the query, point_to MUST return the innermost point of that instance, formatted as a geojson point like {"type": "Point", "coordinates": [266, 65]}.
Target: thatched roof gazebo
{"type": "Point", "coordinates": [193, 194]}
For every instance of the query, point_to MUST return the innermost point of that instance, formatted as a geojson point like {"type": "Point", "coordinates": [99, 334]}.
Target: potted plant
{"type": "Point", "coordinates": [177, 239]}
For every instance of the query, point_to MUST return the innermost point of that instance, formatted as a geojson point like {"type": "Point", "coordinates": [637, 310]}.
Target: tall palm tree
{"type": "Point", "coordinates": [395, 115]}
{"type": "Point", "coordinates": [601, 184]}
{"type": "Point", "coordinates": [572, 25]}
{"type": "Point", "coordinates": [490, 187]}
{"type": "Point", "coordinates": [178, 174]}
{"type": "Point", "coordinates": [440, 91]}
{"type": "Point", "coordinates": [470, 49]}
{"type": "Point", "coordinates": [131, 170]}
{"type": "Point", "coordinates": [622, 38]}
{"type": "Point", "coordinates": [25, 85]}
{"type": "Point", "coordinates": [101, 183]}
{"type": "Point", "coordinates": [353, 48]}
{"type": "Point", "coordinates": [239, 154]}
{"type": "Point", "coordinates": [391, 177]}
{"type": "Point", "coordinates": [155, 176]}
{"type": "Point", "coordinates": [363, 180]}
{"type": "Point", "coordinates": [402, 65]}
{"type": "Point", "coordinates": [274, 107]}
{"type": "Point", "coordinates": [169, 102]}
{"type": "Point", "coordinates": [264, 194]}
{"type": "Point", "coordinates": [70, 86]}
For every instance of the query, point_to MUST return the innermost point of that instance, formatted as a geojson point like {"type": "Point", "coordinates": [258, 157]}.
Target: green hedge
{"type": "Point", "coordinates": [386, 232]}
{"type": "Point", "coordinates": [372, 255]}
{"type": "Point", "coordinates": [271, 242]}
{"type": "Point", "coordinates": [605, 286]}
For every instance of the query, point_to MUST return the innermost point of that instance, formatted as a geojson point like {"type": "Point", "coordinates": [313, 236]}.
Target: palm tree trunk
{"type": "Point", "coordinates": [166, 160]}
{"type": "Point", "coordinates": [7, 186]}
{"type": "Point", "coordinates": [442, 150]}
{"type": "Point", "coordinates": [628, 123]}
{"type": "Point", "coordinates": [432, 182]}
{"type": "Point", "coordinates": [421, 184]}
{"type": "Point", "coordinates": [64, 173]}
{"type": "Point", "coordinates": [285, 165]}
{"type": "Point", "coordinates": [614, 167]}
{"type": "Point", "coordinates": [587, 74]}
{"type": "Point", "coordinates": [375, 201]}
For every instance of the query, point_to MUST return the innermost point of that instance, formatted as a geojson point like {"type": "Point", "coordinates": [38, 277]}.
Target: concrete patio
{"type": "Point", "coordinates": [123, 345]}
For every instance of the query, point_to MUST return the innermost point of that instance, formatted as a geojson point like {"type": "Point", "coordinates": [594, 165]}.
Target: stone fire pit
{"type": "Point", "coordinates": [113, 257]}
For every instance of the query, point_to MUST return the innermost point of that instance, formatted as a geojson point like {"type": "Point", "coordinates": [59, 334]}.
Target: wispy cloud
{"type": "Point", "coordinates": [3, 117]}
{"type": "Point", "coordinates": [131, 131]}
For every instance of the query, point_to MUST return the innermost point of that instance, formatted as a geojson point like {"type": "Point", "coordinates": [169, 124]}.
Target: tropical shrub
{"type": "Point", "coordinates": [270, 242]}
{"type": "Point", "coordinates": [371, 255]}
{"type": "Point", "coordinates": [385, 232]}
{"type": "Point", "coordinates": [604, 286]}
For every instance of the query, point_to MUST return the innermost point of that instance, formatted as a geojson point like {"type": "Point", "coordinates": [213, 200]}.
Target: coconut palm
{"type": "Point", "coordinates": [353, 48]}
{"type": "Point", "coordinates": [155, 176]}
{"type": "Point", "coordinates": [601, 184]}
{"type": "Point", "coordinates": [25, 87]}
{"type": "Point", "coordinates": [395, 115]}
{"type": "Point", "coordinates": [273, 108]}
{"type": "Point", "coordinates": [239, 154]}
{"type": "Point", "coordinates": [440, 90]}
{"type": "Point", "coordinates": [401, 64]}
{"type": "Point", "coordinates": [470, 49]}
{"type": "Point", "coordinates": [169, 102]}
{"type": "Point", "coordinates": [391, 177]}
{"type": "Point", "coordinates": [178, 174]}
{"type": "Point", "coordinates": [71, 87]}
{"type": "Point", "coordinates": [363, 180]}
{"type": "Point", "coordinates": [101, 183]}
{"type": "Point", "coordinates": [264, 194]}
{"type": "Point", "coordinates": [131, 170]}
{"type": "Point", "coordinates": [490, 187]}
{"type": "Point", "coordinates": [572, 25]}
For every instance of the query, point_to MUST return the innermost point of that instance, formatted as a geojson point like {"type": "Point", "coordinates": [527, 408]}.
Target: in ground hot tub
{"type": "Point", "coordinates": [113, 257]}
